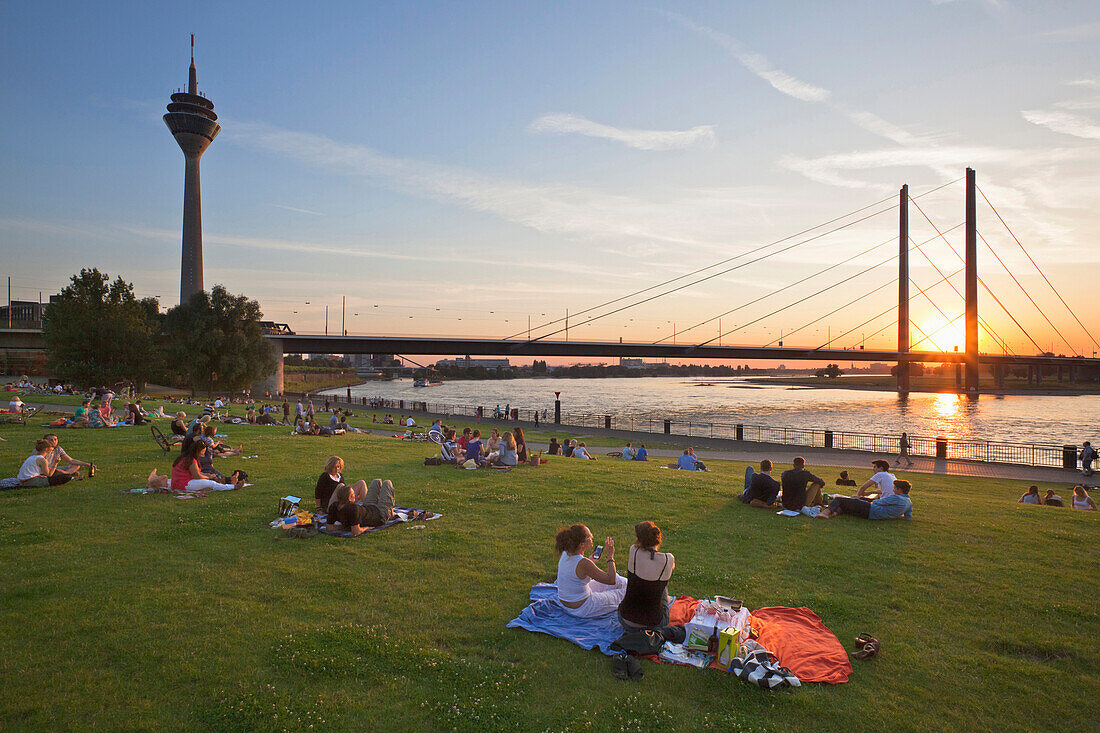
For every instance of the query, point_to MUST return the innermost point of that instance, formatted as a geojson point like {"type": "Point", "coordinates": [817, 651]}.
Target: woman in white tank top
{"type": "Point", "coordinates": [583, 589]}
{"type": "Point", "coordinates": [1082, 500]}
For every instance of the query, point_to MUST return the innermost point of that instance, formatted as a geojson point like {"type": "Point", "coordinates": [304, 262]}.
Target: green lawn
{"type": "Point", "coordinates": [147, 612]}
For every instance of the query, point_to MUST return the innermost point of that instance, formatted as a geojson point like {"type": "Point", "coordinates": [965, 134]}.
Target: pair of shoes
{"type": "Point", "coordinates": [626, 667]}
{"type": "Point", "coordinates": [867, 646]}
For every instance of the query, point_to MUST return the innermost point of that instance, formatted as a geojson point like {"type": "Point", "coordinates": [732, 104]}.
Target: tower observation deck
{"type": "Point", "coordinates": [193, 123]}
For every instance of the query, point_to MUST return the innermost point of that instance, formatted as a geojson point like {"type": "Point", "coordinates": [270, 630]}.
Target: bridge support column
{"type": "Point", "coordinates": [903, 290]}
{"type": "Point", "coordinates": [1059, 374]}
{"type": "Point", "coordinates": [999, 376]}
{"type": "Point", "coordinates": [1038, 374]}
{"type": "Point", "coordinates": [971, 284]}
{"type": "Point", "coordinates": [274, 382]}
{"type": "Point", "coordinates": [1030, 374]}
{"type": "Point", "coordinates": [958, 377]}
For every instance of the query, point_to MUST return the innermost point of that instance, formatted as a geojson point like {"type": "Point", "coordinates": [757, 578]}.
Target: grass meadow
{"type": "Point", "coordinates": [132, 612]}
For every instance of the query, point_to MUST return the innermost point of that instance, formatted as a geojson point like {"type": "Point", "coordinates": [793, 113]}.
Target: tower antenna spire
{"type": "Point", "coordinates": [192, 80]}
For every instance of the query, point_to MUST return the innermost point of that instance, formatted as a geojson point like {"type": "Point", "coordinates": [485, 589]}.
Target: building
{"type": "Point", "coordinates": [193, 123]}
{"type": "Point", "coordinates": [468, 363]}
{"type": "Point", "coordinates": [23, 313]}
{"type": "Point", "coordinates": [629, 363]}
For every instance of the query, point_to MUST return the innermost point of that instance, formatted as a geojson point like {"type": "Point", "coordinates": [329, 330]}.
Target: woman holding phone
{"type": "Point", "coordinates": [576, 574]}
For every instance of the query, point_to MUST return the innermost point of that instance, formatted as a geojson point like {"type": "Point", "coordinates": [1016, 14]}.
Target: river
{"type": "Point", "coordinates": [1042, 419]}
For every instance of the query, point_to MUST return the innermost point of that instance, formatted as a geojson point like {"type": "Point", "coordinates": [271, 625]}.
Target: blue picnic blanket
{"type": "Point", "coordinates": [546, 616]}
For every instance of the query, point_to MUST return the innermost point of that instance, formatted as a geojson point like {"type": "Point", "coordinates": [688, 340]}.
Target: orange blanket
{"type": "Point", "coordinates": [802, 643]}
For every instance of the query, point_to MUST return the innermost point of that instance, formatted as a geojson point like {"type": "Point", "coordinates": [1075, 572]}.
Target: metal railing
{"type": "Point", "coordinates": [987, 451]}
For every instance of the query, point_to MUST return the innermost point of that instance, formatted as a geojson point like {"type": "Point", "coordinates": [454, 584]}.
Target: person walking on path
{"type": "Point", "coordinates": [903, 450]}
{"type": "Point", "coordinates": [1088, 455]}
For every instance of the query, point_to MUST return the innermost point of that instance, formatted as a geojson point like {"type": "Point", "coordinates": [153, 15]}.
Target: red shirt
{"type": "Point", "coordinates": [181, 474]}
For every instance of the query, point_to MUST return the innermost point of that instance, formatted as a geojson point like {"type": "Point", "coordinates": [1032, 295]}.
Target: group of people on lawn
{"type": "Point", "coordinates": [883, 496]}
{"type": "Point", "coordinates": [501, 449]}
{"type": "Point", "coordinates": [1081, 498]}
{"type": "Point", "coordinates": [50, 465]}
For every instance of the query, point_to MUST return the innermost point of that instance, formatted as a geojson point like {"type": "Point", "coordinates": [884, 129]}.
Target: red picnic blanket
{"type": "Point", "coordinates": [802, 643]}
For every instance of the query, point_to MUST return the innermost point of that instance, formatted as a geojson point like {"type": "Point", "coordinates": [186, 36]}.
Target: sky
{"type": "Point", "coordinates": [459, 168]}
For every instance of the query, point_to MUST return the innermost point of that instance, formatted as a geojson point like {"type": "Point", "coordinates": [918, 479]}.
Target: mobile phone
{"type": "Point", "coordinates": [597, 552]}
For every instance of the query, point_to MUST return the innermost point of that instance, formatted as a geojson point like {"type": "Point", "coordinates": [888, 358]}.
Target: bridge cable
{"type": "Point", "coordinates": [836, 310]}
{"type": "Point", "coordinates": [803, 300]}
{"type": "Point", "coordinates": [780, 290]}
{"type": "Point", "coordinates": [730, 259]}
{"type": "Point", "coordinates": [791, 305]}
{"type": "Point", "coordinates": [1044, 315]}
{"type": "Point", "coordinates": [988, 329]}
{"type": "Point", "coordinates": [703, 279]}
{"type": "Point", "coordinates": [1033, 262]}
{"type": "Point", "coordinates": [894, 307]}
{"type": "Point", "coordinates": [982, 282]}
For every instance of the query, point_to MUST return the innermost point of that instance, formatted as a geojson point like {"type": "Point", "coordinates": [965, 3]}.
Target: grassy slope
{"type": "Point", "coordinates": [143, 612]}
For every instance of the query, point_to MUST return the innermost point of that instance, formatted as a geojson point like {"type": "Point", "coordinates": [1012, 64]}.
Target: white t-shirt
{"type": "Point", "coordinates": [410, 423]}
{"type": "Point", "coordinates": [16, 404]}
{"type": "Point", "coordinates": [885, 481]}
{"type": "Point", "coordinates": [218, 403]}
{"type": "Point", "coordinates": [30, 468]}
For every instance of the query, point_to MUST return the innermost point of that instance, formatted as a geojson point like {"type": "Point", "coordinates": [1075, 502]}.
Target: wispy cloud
{"type": "Point", "coordinates": [697, 217]}
{"type": "Point", "coordinates": [796, 88]}
{"type": "Point", "coordinates": [279, 245]}
{"type": "Point", "coordinates": [1062, 122]}
{"type": "Point", "coordinates": [1081, 32]}
{"type": "Point", "coordinates": [563, 124]}
{"type": "Point", "coordinates": [296, 210]}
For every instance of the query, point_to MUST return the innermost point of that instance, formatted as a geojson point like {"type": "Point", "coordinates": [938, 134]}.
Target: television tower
{"type": "Point", "coordinates": [193, 123]}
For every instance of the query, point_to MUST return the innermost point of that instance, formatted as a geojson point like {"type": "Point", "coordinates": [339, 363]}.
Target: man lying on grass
{"type": "Point", "coordinates": [375, 509]}
{"type": "Point", "coordinates": [895, 506]}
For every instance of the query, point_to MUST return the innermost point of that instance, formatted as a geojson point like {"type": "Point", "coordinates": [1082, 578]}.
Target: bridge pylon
{"type": "Point", "coordinates": [971, 369]}
{"type": "Point", "coordinates": [903, 291]}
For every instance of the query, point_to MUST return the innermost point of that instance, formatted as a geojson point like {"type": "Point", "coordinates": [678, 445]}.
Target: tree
{"type": "Point", "coordinates": [215, 339]}
{"type": "Point", "coordinates": [832, 371]}
{"type": "Point", "coordinates": [99, 334]}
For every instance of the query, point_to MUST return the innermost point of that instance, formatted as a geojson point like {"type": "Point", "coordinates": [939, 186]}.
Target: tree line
{"type": "Point", "coordinates": [97, 332]}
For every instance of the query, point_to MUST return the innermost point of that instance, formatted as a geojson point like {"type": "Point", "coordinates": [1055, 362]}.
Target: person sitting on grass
{"type": "Point", "coordinates": [645, 602]}
{"type": "Point", "coordinates": [1082, 500]}
{"type": "Point", "coordinates": [581, 451]}
{"type": "Point", "coordinates": [895, 506]}
{"type": "Point", "coordinates": [61, 462]}
{"type": "Point", "coordinates": [642, 454]}
{"type": "Point", "coordinates": [628, 451]}
{"type": "Point", "coordinates": [762, 489]}
{"type": "Point", "coordinates": [375, 509]}
{"type": "Point", "coordinates": [464, 440]}
{"type": "Point", "coordinates": [568, 447]}
{"type": "Point", "coordinates": [843, 480]}
{"type": "Point", "coordinates": [576, 574]}
{"type": "Point", "coordinates": [250, 415]}
{"type": "Point", "coordinates": [1031, 496]}
{"type": "Point", "coordinates": [448, 449]}
{"type": "Point", "coordinates": [800, 487]}
{"type": "Point", "coordinates": [135, 414]}
{"type": "Point", "coordinates": [186, 475]}
{"type": "Point", "coordinates": [493, 444]}
{"type": "Point", "coordinates": [553, 447]}
{"type": "Point", "coordinates": [35, 471]}
{"type": "Point", "coordinates": [80, 416]}
{"type": "Point", "coordinates": [507, 455]}
{"type": "Point", "coordinates": [473, 447]}
{"type": "Point", "coordinates": [330, 479]}
{"type": "Point", "coordinates": [882, 480]}
{"type": "Point", "coordinates": [689, 462]}
{"type": "Point", "coordinates": [1052, 499]}
{"type": "Point", "coordinates": [179, 424]}
{"type": "Point", "coordinates": [215, 446]}
{"type": "Point", "coordinates": [521, 444]}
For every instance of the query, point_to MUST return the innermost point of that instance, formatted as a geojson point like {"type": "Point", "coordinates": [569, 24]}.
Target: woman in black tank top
{"type": "Point", "coordinates": [645, 604]}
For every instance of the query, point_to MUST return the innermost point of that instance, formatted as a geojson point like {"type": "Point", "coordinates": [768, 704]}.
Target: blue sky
{"type": "Point", "coordinates": [496, 161]}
